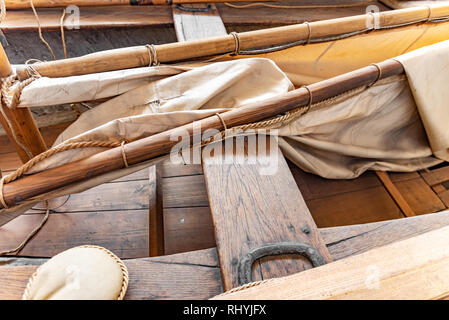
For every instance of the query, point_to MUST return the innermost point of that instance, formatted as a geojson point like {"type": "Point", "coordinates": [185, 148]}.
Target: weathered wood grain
{"type": "Point", "coordinates": [414, 268]}
{"type": "Point", "coordinates": [156, 212]}
{"type": "Point", "coordinates": [188, 229]}
{"type": "Point", "coordinates": [364, 206]}
{"type": "Point", "coordinates": [19, 123]}
{"type": "Point", "coordinates": [184, 191]}
{"type": "Point", "coordinates": [123, 232]}
{"type": "Point", "coordinates": [250, 209]}
{"type": "Point", "coordinates": [436, 176]}
{"type": "Point", "coordinates": [197, 25]}
{"type": "Point", "coordinates": [346, 241]}
{"type": "Point", "coordinates": [395, 194]}
{"type": "Point", "coordinates": [341, 242]}
{"type": "Point", "coordinates": [121, 196]}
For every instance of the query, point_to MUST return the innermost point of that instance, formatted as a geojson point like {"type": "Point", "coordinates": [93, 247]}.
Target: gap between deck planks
{"type": "Point", "coordinates": [178, 276]}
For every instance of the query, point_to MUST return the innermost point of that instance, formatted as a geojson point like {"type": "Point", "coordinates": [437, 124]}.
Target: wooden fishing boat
{"type": "Point", "coordinates": [182, 229]}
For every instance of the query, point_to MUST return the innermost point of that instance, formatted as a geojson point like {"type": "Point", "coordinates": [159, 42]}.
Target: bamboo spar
{"type": "Point", "coordinates": [161, 144]}
{"type": "Point", "coordinates": [21, 4]}
{"type": "Point", "coordinates": [19, 123]}
{"type": "Point", "coordinates": [132, 57]}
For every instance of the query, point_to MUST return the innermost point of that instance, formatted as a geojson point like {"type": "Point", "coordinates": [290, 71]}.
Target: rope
{"type": "Point", "coordinates": [310, 98]}
{"type": "Point", "coordinates": [244, 287]}
{"type": "Point", "coordinates": [237, 43]}
{"type": "Point", "coordinates": [40, 30]}
{"type": "Point", "coordinates": [2, 198]}
{"type": "Point", "coordinates": [11, 89]}
{"type": "Point", "coordinates": [62, 34]}
{"type": "Point", "coordinates": [222, 121]}
{"type": "Point", "coordinates": [429, 17]}
{"type": "Point", "coordinates": [278, 6]}
{"type": "Point", "coordinates": [152, 54]}
{"type": "Point", "coordinates": [60, 148]}
{"type": "Point", "coordinates": [379, 74]}
{"type": "Point", "coordinates": [310, 32]}
{"type": "Point", "coordinates": [125, 161]}
{"type": "Point", "coordinates": [123, 268]}
{"type": "Point", "coordinates": [30, 236]}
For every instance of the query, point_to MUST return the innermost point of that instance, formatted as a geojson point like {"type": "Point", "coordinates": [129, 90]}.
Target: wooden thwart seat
{"type": "Point", "coordinates": [250, 210]}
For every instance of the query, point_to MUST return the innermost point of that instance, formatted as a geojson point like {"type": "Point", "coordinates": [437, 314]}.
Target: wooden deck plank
{"type": "Point", "coordinates": [249, 209]}
{"type": "Point", "coordinates": [346, 241]}
{"type": "Point", "coordinates": [169, 169]}
{"type": "Point", "coordinates": [188, 229]}
{"type": "Point", "coordinates": [123, 232]}
{"type": "Point", "coordinates": [436, 176]}
{"type": "Point", "coordinates": [184, 191]}
{"type": "Point", "coordinates": [197, 25]}
{"type": "Point", "coordinates": [420, 196]}
{"type": "Point", "coordinates": [364, 206]}
{"type": "Point", "coordinates": [156, 213]}
{"type": "Point", "coordinates": [124, 195]}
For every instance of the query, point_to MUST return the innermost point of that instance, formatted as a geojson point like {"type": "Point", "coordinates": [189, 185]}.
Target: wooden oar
{"type": "Point", "coordinates": [161, 144]}
{"type": "Point", "coordinates": [139, 56]}
{"type": "Point", "coordinates": [23, 4]}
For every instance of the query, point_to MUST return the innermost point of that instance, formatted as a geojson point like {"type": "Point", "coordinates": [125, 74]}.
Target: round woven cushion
{"type": "Point", "coordinates": [81, 273]}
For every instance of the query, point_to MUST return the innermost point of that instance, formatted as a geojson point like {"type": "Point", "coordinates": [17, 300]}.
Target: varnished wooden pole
{"type": "Point", "coordinates": [133, 57]}
{"type": "Point", "coordinates": [161, 144]}
{"type": "Point", "coordinates": [24, 4]}
{"type": "Point", "coordinates": [19, 123]}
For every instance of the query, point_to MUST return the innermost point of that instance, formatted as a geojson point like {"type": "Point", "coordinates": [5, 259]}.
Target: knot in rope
{"type": "Point", "coordinates": [11, 89]}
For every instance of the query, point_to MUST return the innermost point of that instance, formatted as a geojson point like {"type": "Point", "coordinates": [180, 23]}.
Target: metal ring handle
{"type": "Point", "coordinates": [246, 262]}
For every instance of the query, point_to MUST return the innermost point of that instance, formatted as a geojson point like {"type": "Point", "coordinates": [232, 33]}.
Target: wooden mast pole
{"type": "Point", "coordinates": [19, 123]}
{"type": "Point", "coordinates": [161, 144]}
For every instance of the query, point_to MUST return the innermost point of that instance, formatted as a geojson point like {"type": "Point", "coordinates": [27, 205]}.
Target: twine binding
{"type": "Point", "coordinates": [310, 32]}
{"type": "Point", "coordinates": [152, 55]}
{"type": "Point", "coordinates": [125, 161]}
{"type": "Point", "coordinates": [237, 43]}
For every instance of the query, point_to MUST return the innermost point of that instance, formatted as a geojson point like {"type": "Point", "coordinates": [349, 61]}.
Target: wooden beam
{"type": "Point", "coordinates": [415, 268]}
{"type": "Point", "coordinates": [19, 123]}
{"type": "Point", "coordinates": [250, 209]}
{"type": "Point", "coordinates": [193, 22]}
{"type": "Point", "coordinates": [395, 194]}
{"type": "Point", "coordinates": [156, 212]}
